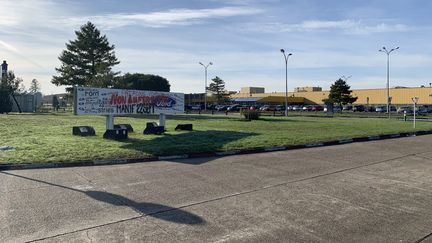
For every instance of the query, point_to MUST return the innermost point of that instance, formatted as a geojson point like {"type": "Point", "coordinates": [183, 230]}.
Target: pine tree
{"type": "Point", "coordinates": [340, 93]}
{"type": "Point", "coordinates": [87, 61]}
{"type": "Point", "coordinates": [140, 81]}
{"type": "Point", "coordinates": [9, 86]}
{"type": "Point", "coordinates": [34, 86]}
{"type": "Point", "coordinates": [217, 87]}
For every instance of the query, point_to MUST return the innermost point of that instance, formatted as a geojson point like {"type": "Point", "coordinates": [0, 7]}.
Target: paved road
{"type": "Point", "coordinates": [363, 192]}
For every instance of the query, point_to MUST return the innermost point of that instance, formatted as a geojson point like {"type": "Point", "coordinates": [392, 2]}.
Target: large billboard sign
{"type": "Point", "coordinates": [100, 101]}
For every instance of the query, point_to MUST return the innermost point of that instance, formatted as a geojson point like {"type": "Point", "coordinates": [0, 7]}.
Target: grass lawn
{"type": "Point", "coordinates": [48, 137]}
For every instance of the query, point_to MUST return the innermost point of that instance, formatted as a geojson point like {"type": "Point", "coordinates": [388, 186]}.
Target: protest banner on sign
{"type": "Point", "coordinates": [103, 101]}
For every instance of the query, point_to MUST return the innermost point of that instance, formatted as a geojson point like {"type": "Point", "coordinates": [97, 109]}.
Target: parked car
{"type": "Point", "coordinates": [370, 108]}
{"type": "Point", "coordinates": [221, 107]}
{"type": "Point", "coordinates": [280, 108]}
{"type": "Point", "coordinates": [335, 109]}
{"type": "Point", "coordinates": [197, 107]}
{"type": "Point", "coordinates": [264, 108]}
{"type": "Point", "coordinates": [428, 108]}
{"type": "Point", "coordinates": [403, 109]}
{"type": "Point", "coordinates": [211, 107]}
{"type": "Point", "coordinates": [380, 108]}
{"type": "Point", "coordinates": [347, 107]}
{"type": "Point", "coordinates": [244, 107]}
{"type": "Point", "coordinates": [317, 108]}
{"type": "Point", "coordinates": [267, 108]}
{"type": "Point", "coordinates": [421, 110]}
{"type": "Point", "coordinates": [233, 107]}
{"type": "Point", "coordinates": [358, 108]}
{"type": "Point", "coordinates": [307, 108]}
{"type": "Point", "coordinates": [297, 108]}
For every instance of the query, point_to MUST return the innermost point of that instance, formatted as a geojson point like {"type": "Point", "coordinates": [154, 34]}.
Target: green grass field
{"type": "Point", "coordinates": [48, 137]}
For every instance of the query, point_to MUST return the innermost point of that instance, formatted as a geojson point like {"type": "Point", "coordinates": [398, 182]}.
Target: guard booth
{"type": "Point", "coordinates": [121, 102]}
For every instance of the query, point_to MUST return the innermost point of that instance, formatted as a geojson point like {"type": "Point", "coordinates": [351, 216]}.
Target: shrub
{"type": "Point", "coordinates": [251, 114]}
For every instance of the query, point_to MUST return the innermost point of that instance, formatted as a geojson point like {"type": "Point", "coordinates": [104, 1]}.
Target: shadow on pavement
{"type": "Point", "coordinates": [151, 209]}
{"type": "Point", "coordinates": [163, 212]}
{"type": "Point", "coordinates": [185, 142]}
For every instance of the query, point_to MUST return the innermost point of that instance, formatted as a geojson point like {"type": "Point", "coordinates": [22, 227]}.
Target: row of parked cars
{"type": "Point", "coordinates": [423, 109]}
{"type": "Point", "coordinates": [233, 107]}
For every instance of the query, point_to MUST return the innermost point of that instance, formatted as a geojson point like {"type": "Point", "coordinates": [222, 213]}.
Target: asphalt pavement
{"type": "Point", "coordinates": [379, 191]}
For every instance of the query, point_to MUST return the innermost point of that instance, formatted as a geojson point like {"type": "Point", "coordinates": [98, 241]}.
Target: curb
{"type": "Point", "coordinates": [207, 154]}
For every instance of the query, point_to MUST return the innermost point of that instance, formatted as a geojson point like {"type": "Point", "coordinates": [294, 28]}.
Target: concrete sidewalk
{"type": "Point", "coordinates": [377, 191]}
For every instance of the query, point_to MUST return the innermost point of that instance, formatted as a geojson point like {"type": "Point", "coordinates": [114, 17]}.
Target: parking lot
{"type": "Point", "coordinates": [362, 192]}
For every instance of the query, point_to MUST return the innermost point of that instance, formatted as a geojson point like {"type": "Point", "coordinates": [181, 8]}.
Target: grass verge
{"type": "Point", "coordinates": [48, 137]}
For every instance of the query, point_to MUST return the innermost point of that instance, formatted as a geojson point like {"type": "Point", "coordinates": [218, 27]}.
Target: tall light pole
{"type": "Point", "coordinates": [386, 51]}
{"type": "Point", "coordinates": [286, 79]}
{"type": "Point", "coordinates": [205, 89]}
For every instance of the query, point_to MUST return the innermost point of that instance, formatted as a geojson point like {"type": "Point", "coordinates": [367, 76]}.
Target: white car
{"type": "Point", "coordinates": [380, 109]}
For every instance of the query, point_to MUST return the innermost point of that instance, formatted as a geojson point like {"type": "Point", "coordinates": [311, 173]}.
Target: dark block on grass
{"type": "Point", "coordinates": [187, 127]}
{"type": "Point", "coordinates": [153, 128]}
{"type": "Point", "coordinates": [116, 134]}
{"type": "Point", "coordinates": [124, 126]}
{"type": "Point", "coordinates": [83, 131]}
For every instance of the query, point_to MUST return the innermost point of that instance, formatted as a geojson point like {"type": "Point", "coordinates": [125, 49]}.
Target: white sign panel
{"type": "Point", "coordinates": [99, 101]}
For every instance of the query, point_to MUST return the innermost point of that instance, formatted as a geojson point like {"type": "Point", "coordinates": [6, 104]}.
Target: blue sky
{"type": "Point", "coordinates": [328, 39]}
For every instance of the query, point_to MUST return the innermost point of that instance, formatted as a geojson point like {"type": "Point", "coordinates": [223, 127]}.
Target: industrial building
{"type": "Point", "coordinates": [315, 95]}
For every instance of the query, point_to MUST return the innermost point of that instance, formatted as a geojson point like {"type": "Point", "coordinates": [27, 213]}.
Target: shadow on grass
{"type": "Point", "coordinates": [186, 117]}
{"type": "Point", "coordinates": [163, 212]}
{"type": "Point", "coordinates": [268, 119]}
{"type": "Point", "coordinates": [204, 117]}
{"type": "Point", "coordinates": [185, 142]}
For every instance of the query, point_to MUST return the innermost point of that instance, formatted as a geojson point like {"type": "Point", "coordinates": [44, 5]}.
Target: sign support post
{"type": "Point", "coordinates": [109, 122]}
{"type": "Point", "coordinates": [162, 118]}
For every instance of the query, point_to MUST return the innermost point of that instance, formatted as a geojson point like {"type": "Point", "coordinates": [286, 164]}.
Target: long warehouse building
{"type": "Point", "coordinates": [314, 95]}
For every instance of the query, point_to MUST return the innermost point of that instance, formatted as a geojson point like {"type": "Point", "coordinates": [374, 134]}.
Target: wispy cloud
{"type": "Point", "coordinates": [164, 18]}
{"type": "Point", "coordinates": [347, 26]}
{"type": "Point", "coordinates": [18, 13]}
{"type": "Point", "coordinates": [8, 47]}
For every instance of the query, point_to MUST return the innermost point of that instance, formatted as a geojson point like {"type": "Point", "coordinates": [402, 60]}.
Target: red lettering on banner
{"type": "Point", "coordinates": [159, 100]}
{"type": "Point", "coordinates": [117, 100]}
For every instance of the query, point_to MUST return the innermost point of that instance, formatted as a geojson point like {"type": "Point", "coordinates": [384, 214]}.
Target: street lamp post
{"type": "Point", "coordinates": [430, 93]}
{"type": "Point", "coordinates": [386, 51]}
{"type": "Point", "coordinates": [205, 90]}
{"type": "Point", "coordinates": [415, 100]}
{"type": "Point", "coordinates": [286, 79]}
